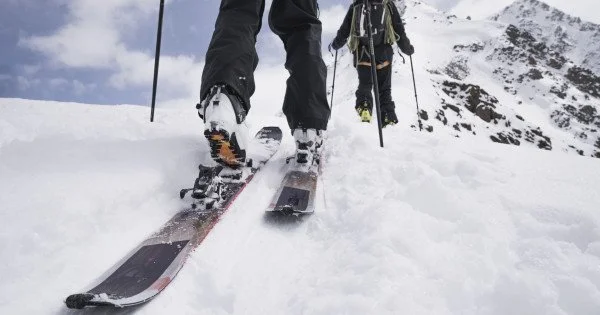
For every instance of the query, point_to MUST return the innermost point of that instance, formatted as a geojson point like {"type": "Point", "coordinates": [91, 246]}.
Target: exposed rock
{"type": "Point", "coordinates": [457, 68]}
{"type": "Point", "coordinates": [472, 48]}
{"type": "Point", "coordinates": [584, 80]}
{"type": "Point", "coordinates": [475, 99]}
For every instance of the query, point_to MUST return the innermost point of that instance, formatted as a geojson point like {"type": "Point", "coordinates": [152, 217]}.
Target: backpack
{"type": "Point", "coordinates": [381, 22]}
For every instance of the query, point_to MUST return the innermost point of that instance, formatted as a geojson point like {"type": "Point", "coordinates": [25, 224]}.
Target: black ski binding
{"type": "Point", "coordinates": [209, 188]}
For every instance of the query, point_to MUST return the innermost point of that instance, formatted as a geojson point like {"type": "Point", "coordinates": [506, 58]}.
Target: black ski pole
{"type": "Point", "coordinates": [333, 84]}
{"type": "Point", "coordinates": [416, 99]}
{"type": "Point", "coordinates": [367, 7]}
{"type": "Point", "coordinates": [157, 57]}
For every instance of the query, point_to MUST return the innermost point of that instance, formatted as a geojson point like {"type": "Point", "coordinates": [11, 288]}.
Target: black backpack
{"type": "Point", "coordinates": [380, 22]}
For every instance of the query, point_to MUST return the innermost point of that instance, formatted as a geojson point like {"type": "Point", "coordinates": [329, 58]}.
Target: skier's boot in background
{"type": "Point", "coordinates": [388, 118]}
{"type": "Point", "coordinates": [364, 110]}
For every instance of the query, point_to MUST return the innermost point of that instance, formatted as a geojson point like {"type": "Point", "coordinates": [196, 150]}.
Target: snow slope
{"type": "Point", "coordinates": [495, 80]}
{"type": "Point", "coordinates": [428, 225]}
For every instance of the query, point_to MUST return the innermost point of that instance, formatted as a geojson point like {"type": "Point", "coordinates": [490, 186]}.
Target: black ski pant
{"type": "Point", "coordinates": [231, 57]}
{"type": "Point", "coordinates": [384, 80]}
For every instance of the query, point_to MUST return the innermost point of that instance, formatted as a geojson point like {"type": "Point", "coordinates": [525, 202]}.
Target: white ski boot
{"type": "Point", "coordinates": [224, 126]}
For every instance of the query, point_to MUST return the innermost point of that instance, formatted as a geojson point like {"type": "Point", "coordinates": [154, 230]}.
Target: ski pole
{"type": "Point", "coordinates": [367, 7]}
{"type": "Point", "coordinates": [157, 57]}
{"type": "Point", "coordinates": [333, 84]}
{"type": "Point", "coordinates": [416, 99]}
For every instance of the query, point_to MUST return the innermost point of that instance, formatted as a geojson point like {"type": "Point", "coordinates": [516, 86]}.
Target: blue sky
{"type": "Point", "coordinates": [101, 52]}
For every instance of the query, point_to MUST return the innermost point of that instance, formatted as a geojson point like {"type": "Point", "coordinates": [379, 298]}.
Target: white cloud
{"type": "Point", "coordinates": [179, 75]}
{"type": "Point", "coordinates": [93, 39]}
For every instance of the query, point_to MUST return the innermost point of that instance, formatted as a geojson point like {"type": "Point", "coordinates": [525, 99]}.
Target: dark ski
{"type": "Point", "coordinates": [153, 264]}
{"type": "Point", "coordinates": [296, 195]}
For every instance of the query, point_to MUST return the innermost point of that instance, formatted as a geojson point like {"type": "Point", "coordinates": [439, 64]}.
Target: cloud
{"type": "Point", "coordinates": [179, 75]}
{"type": "Point", "coordinates": [30, 69]}
{"type": "Point", "coordinates": [24, 83]}
{"type": "Point", "coordinates": [93, 38]}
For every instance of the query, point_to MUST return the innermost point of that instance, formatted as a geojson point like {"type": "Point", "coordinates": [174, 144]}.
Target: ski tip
{"type": "Point", "coordinates": [78, 301]}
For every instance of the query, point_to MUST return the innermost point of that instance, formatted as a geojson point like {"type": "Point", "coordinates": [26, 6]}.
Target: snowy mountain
{"type": "Point", "coordinates": [577, 40]}
{"type": "Point", "coordinates": [525, 83]}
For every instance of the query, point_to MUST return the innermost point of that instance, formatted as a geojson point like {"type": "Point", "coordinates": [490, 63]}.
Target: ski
{"type": "Point", "coordinates": [296, 195]}
{"type": "Point", "coordinates": [152, 265]}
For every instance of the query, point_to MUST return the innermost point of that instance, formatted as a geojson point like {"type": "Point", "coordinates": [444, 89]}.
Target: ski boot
{"type": "Point", "coordinates": [388, 118]}
{"type": "Point", "coordinates": [224, 127]}
{"type": "Point", "coordinates": [308, 147]}
{"type": "Point", "coordinates": [364, 111]}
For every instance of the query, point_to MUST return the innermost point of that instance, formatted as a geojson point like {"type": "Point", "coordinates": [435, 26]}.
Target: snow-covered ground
{"type": "Point", "coordinates": [430, 224]}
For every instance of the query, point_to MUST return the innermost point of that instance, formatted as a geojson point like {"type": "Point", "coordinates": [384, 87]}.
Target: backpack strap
{"type": "Point", "coordinates": [353, 41]}
{"type": "Point", "coordinates": [391, 36]}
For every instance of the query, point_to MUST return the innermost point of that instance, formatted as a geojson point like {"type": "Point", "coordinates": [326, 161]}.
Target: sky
{"type": "Point", "coordinates": [102, 52]}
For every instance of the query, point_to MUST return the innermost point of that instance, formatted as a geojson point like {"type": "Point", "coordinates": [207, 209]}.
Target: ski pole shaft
{"type": "Point", "coordinates": [333, 84]}
{"type": "Point", "coordinates": [416, 98]}
{"type": "Point", "coordinates": [367, 7]}
{"type": "Point", "coordinates": [157, 57]}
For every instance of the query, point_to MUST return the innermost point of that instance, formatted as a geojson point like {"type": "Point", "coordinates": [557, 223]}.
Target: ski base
{"type": "Point", "coordinates": [296, 196]}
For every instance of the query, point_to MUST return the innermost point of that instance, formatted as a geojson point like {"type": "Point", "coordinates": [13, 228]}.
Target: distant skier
{"type": "Point", "coordinates": [228, 80]}
{"type": "Point", "coordinates": [388, 29]}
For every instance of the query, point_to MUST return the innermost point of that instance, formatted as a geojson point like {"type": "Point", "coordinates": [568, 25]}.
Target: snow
{"type": "Point", "coordinates": [427, 225]}
{"type": "Point", "coordinates": [430, 224]}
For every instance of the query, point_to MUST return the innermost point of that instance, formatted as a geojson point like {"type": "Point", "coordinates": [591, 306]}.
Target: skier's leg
{"type": "Point", "coordinates": [231, 57]}
{"type": "Point", "coordinates": [384, 80]}
{"type": "Point", "coordinates": [364, 95]}
{"type": "Point", "coordinates": [296, 23]}
{"type": "Point", "coordinates": [228, 81]}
